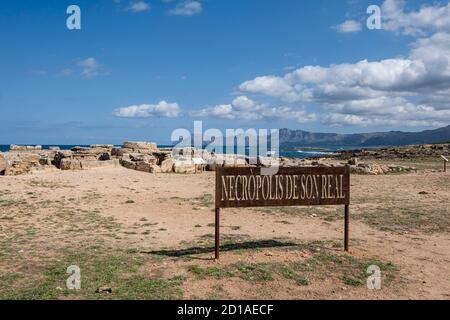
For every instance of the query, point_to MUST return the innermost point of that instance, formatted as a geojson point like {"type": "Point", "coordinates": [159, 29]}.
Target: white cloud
{"type": "Point", "coordinates": [243, 108]}
{"type": "Point", "coordinates": [139, 6]}
{"type": "Point", "coordinates": [275, 87]}
{"type": "Point", "coordinates": [162, 109]}
{"type": "Point", "coordinates": [187, 8]}
{"type": "Point", "coordinates": [243, 103]}
{"type": "Point", "coordinates": [410, 90]}
{"type": "Point", "coordinates": [429, 18]}
{"type": "Point", "coordinates": [348, 26]}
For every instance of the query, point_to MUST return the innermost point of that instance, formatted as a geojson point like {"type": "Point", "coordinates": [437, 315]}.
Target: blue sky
{"type": "Point", "coordinates": [230, 64]}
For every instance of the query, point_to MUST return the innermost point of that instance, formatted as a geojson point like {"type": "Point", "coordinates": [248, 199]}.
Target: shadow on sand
{"type": "Point", "coordinates": [226, 247]}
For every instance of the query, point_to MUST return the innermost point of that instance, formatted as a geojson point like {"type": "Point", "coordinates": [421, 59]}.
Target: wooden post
{"type": "Point", "coordinates": [445, 162]}
{"type": "Point", "coordinates": [346, 226]}
{"type": "Point", "coordinates": [217, 246]}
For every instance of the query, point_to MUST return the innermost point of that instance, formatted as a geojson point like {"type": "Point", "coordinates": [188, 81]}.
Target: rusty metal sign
{"type": "Point", "coordinates": [294, 186]}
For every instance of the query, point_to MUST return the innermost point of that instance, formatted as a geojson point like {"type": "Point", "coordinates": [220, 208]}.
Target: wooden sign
{"type": "Point", "coordinates": [304, 186]}
{"type": "Point", "coordinates": [291, 186]}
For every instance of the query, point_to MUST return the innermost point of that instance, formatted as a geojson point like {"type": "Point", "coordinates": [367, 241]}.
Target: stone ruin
{"type": "Point", "coordinates": [140, 156]}
{"type": "Point", "coordinates": [147, 157]}
{"type": "Point", "coordinates": [26, 159]}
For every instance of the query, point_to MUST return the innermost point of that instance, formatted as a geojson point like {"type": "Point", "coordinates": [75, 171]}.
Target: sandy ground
{"type": "Point", "coordinates": [402, 219]}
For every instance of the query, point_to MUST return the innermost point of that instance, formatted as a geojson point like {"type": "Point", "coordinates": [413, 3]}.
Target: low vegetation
{"type": "Point", "coordinates": [322, 262]}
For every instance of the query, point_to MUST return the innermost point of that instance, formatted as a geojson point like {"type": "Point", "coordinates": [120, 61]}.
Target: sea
{"type": "Point", "coordinates": [284, 152]}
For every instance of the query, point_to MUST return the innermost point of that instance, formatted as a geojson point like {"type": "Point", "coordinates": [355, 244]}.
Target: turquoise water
{"type": "Point", "coordinates": [288, 152]}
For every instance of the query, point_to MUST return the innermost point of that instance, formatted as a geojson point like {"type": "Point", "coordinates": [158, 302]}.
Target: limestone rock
{"type": "Point", "coordinates": [97, 153]}
{"type": "Point", "coordinates": [155, 169]}
{"type": "Point", "coordinates": [125, 156]}
{"type": "Point", "coordinates": [267, 162]}
{"type": "Point", "coordinates": [70, 164]}
{"type": "Point", "coordinates": [143, 166]}
{"type": "Point", "coordinates": [183, 166]}
{"type": "Point", "coordinates": [143, 157]}
{"type": "Point", "coordinates": [104, 289]}
{"type": "Point", "coordinates": [161, 156]}
{"type": "Point", "coordinates": [3, 165]}
{"type": "Point", "coordinates": [128, 164]}
{"type": "Point", "coordinates": [89, 164]}
{"type": "Point", "coordinates": [103, 146]}
{"type": "Point", "coordinates": [20, 162]}
{"type": "Point", "coordinates": [140, 145]}
{"type": "Point", "coordinates": [190, 152]}
{"type": "Point", "coordinates": [233, 160]}
{"type": "Point", "coordinates": [216, 161]}
{"type": "Point", "coordinates": [167, 165]}
{"type": "Point", "coordinates": [375, 169]}
{"type": "Point", "coordinates": [105, 157]}
{"type": "Point", "coordinates": [63, 154]}
{"type": "Point", "coordinates": [44, 160]}
{"type": "Point", "coordinates": [117, 152]}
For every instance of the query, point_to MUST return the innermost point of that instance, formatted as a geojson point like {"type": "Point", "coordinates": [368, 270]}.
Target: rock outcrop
{"type": "Point", "coordinates": [406, 152]}
{"type": "Point", "coordinates": [20, 163]}
{"type": "Point", "coordinates": [184, 166]}
{"type": "Point", "coordinates": [146, 157]}
{"type": "Point", "coordinates": [3, 165]}
{"type": "Point", "coordinates": [167, 165]}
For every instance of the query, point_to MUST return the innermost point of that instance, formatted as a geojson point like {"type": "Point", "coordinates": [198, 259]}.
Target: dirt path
{"type": "Point", "coordinates": [403, 219]}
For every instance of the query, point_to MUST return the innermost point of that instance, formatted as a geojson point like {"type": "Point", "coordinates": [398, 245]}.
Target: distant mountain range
{"type": "Point", "coordinates": [300, 138]}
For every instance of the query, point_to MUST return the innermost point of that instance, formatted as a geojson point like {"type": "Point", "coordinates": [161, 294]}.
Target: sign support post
{"type": "Point", "coordinates": [445, 162]}
{"type": "Point", "coordinates": [346, 226]}
{"type": "Point", "coordinates": [217, 242]}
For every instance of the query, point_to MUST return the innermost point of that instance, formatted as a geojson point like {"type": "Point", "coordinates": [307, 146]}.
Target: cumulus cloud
{"type": "Point", "coordinates": [161, 109]}
{"type": "Point", "coordinates": [348, 26]}
{"type": "Point", "coordinates": [417, 23]}
{"type": "Point", "coordinates": [243, 108]}
{"type": "Point", "coordinates": [187, 8]}
{"type": "Point", "coordinates": [243, 103]}
{"type": "Point", "coordinates": [410, 90]}
{"type": "Point", "coordinates": [139, 6]}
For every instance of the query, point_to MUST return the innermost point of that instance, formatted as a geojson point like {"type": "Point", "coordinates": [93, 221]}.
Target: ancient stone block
{"type": "Point", "coordinates": [3, 164]}
{"type": "Point", "coordinates": [88, 164]}
{"type": "Point", "coordinates": [128, 164]}
{"type": "Point", "coordinates": [143, 166]}
{"type": "Point", "coordinates": [167, 165]}
{"type": "Point", "coordinates": [155, 169]}
{"type": "Point", "coordinates": [140, 145]}
{"type": "Point", "coordinates": [70, 164]}
{"type": "Point", "coordinates": [183, 166]}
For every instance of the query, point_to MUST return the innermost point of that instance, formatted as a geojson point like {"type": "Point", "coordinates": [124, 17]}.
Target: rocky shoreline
{"type": "Point", "coordinates": [147, 157]}
{"type": "Point", "coordinates": [403, 152]}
